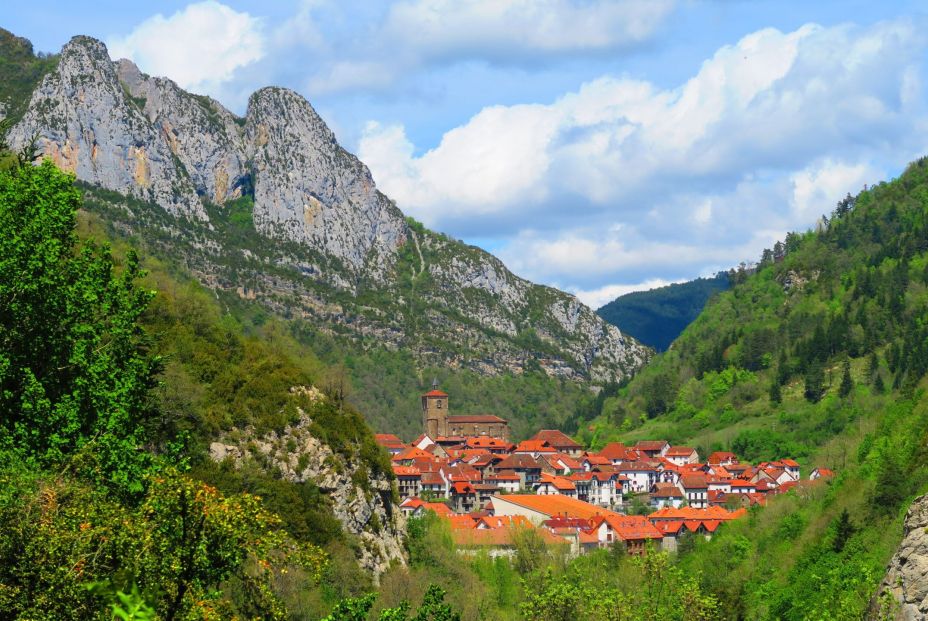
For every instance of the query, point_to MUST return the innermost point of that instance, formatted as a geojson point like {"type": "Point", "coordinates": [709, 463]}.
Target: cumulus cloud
{"type": "Point", "coordinates": [596, 298]}
{"type": "Point", "coordinates": [767, 135]}
{"type": "Point", "coordinates": [200, 47]}
{"type": "Point", "coordinates": [420, 33]}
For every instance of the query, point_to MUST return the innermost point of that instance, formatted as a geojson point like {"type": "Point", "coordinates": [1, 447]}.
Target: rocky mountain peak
{"type": "Point", "coordinates": [319, 237]}
{"type": "Point", "coordinates": [308, 188]}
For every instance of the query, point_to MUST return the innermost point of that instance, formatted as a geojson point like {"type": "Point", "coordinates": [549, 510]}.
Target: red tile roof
{"type": "Point", "coordinates": [614, 450]}
{"type": "Point", "coordinates": [475, 418]}
{"type": "Point", "coordinates": [557, 439]}
{"type": "Point", "coordinates": [651, 445]}
{"type": "Point", "coordinates": [679, 451]}
{"type": "Point", "coordinates": [556, 505]}
{"type": "Point", "coordinates": [435, 393]}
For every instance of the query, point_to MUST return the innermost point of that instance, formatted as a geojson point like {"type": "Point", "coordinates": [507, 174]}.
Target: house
{"type": "Point", "coordinates": [740, 486]}
{"type": "Point", "coordinates": [525, 466]}
{"type": "Point", "coordinates": [821, 473]}
{"type": "Point", "coordinates": [408, 480]}
{"type": "Point", "coordinates": [591, 462]}
{"type": "Point", "coordinates": [440, 508]}
{"type": "Point", "coordinates": [390, 442]}
{"type": "Point", "coordinates": [549, 485]}
{"type": "Point", "coordinates": [722, 458]}
{"type": "Point", "coordinates": [641, 475]}
{"type": "Point", "coordinates": [695, 490]}
{"type": "Point", "coordinates": [616, 453]}
{"type": "Point", "coordinates": [507, 483]}
{"type": "Point", "coordinates": [432, 484]}
{"type": "Point", "coordinates": [634, 531]}
{"type": "Point", "coordinates": [681, 455]}
{"type": "Point", "coordinates": [574, 530]}
{"type": "Point", "coordinates": [463, 497]}
{"type": "Point", "coordinates": [791, 467]}
{"type": "Point", "coordinates": [496, 446]}
{"type": "Point", "coordinates": [653, 448]}
{"type": "Point", "coordinates": [560, 441]}
{"type": "Point", "coordinates": [535, 448]}
{"type": "Point", "coordinates": [540, 508]}
{"type": "Point", "coordinates": [666, 495]}
{"type": "Point", "coordinates": [409, 505]}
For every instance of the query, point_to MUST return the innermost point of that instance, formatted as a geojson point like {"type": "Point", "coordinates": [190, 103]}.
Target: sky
{"type": "Point", "coordinates": [597, 146]}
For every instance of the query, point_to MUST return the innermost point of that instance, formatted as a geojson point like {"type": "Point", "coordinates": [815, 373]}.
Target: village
{"type": "Point", "coordinates": [650, 495]}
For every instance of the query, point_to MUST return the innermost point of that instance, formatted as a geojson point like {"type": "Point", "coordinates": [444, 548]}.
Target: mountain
{"type": "Point", "coordinates": [821, 355]}
{"type": "Point", "coordinates": [657, 316]}
{"type": "Point", "coordinates": [271, 208]}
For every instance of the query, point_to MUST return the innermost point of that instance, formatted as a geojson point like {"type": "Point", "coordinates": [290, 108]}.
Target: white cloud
{"type": "Point", "coordinates": [200, 47]}
{"type": "Point", "coordinates": [595, 298]}
{"type": "Point", "coordinates": [420, 33]}
{"type": "Point", "coordinates": [766, 136]}
{"type": "Point", "coordinates": [818, 187]}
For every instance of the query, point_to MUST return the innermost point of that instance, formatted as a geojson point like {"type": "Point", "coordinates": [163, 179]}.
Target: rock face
{"type": "Point", "coordinates": [84, 120]}
{"type": "Point", "coordinates": [365, 509]}
{"type": "Point", "coordinates": [903, 594]}
{"type": "Point", "coordinates": [309, 189]}
{"type": "Point", "coordinates": [322, 243]}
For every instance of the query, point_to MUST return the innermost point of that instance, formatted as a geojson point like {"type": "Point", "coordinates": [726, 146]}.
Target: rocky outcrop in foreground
{"type": "Point", "coordinates": [361, 501]}
{"type": "Point", "coordinates": [903, 594]}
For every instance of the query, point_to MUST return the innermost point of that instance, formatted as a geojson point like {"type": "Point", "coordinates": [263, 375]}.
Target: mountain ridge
{"type": "Point", "coordinates": [319, 241]}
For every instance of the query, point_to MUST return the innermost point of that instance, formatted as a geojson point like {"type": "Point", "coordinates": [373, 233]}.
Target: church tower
{"type": "Point", "coordinates": [435, 412]}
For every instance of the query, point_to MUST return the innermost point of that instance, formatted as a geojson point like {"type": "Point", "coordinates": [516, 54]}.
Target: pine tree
{"type": "Point", "coordinates": [847, 383]}
{"type": "Point", "coordinates": [775, 396]}
{"type": "Point", "coordinates": [873, 365]}
{"type": "Point", "coordinates": [878, 386]}
{"type": "Point", "coordinates": [815, 382]}
{"type": "Point", "coordinates": [844, 530]}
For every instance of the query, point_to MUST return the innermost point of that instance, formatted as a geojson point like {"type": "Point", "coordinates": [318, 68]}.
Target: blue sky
{"type": "Point", "coordinates": [597, 146]}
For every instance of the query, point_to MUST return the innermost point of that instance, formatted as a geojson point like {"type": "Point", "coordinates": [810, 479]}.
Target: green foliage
{"type": "Point", "coordinates": [21, 70]}
{"type": "Point", "coordinates": [74, 372]}
{"type": "Point", "coordinates": [172, 553]}
{"type": "Point", "coordinates": [658, 316]}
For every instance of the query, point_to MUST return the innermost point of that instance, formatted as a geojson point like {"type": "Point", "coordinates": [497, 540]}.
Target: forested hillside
{"type": "Point", "coordinates": [821, 355]}
{"type": "Point", "coordinates": [657, 316]}
{"type": "Point", "coordinates": [116, 375]}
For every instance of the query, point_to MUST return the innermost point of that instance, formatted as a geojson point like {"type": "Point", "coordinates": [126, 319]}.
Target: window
{"type": "Point", "coordinates": [438, 404]}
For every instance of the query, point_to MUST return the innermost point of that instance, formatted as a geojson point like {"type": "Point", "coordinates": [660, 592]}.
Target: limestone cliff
{"type": "Point", "coordinates": [361, 501]}
{"type": "Point", "coordinates": [319, 241]}
{"type": "Point", "coordinates": [903, 594]}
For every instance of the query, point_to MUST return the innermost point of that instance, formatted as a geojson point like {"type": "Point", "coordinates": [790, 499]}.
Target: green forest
{"type": "Point", "coordinates": [658, 316]}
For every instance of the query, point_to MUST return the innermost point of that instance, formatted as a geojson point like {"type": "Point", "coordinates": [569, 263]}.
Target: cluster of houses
{"type": "Point", "coordinates": [489, 488]}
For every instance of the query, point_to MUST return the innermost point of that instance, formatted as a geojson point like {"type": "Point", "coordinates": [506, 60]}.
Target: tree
{"type": "Point", "coordinates": [844, 530]}
{"type": "Point", "coordinates": [74, 373]}
{"type": "Point", "coordinates": [775, 396]}
{"type": "Point", "coordinates": [815, 382]}
{"type": "Point", "coordinates": [847, 383]}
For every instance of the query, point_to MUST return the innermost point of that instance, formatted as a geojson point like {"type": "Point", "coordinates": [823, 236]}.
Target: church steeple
{"type": "Point", "coordinates": [435, 412]}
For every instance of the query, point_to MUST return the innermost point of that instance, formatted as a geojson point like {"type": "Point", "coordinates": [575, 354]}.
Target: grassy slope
{"type": "Point", "coordinates": [658, 316]}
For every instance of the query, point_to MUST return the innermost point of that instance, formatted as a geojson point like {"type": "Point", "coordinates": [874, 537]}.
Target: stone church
{"type": "Point", "coordinates": [437, 423]}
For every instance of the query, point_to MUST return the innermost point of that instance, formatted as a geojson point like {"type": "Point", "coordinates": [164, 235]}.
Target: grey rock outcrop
{"type": "Point", "coordinates": [309, 189]}
{"type": "Point", "coordinates": [366, 511]}
{"type": "Point", "coordinates": [85, 122]}
{"type": "Point", "coordinates": [903, 594]}
{"type": "Point", "coordinates": [205, 137]}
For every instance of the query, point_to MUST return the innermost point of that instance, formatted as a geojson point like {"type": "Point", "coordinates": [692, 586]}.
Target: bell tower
{"type": "Point", "coordinates": [435, 412]}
